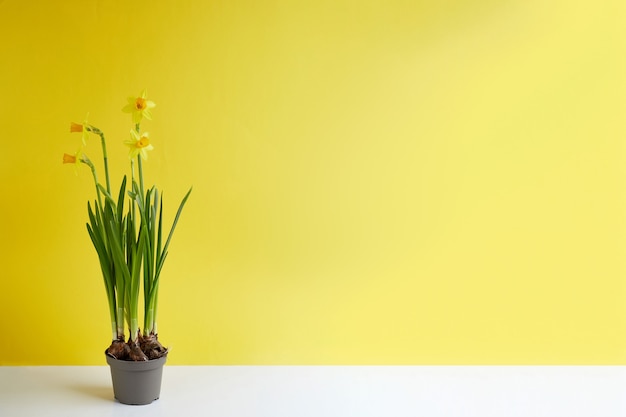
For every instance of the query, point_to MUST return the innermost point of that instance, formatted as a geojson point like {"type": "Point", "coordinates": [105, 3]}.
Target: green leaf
{"type": "Point", "coordinates": [107, 196]}
{"type": "Point", "coordinates": [161, 259]}
{"type": "Point", "coordinates": [120, 200]}
{"type": "Point", "coordinates": [178, 212]}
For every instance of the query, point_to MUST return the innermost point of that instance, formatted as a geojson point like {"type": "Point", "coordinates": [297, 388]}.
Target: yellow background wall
{"type": "Point", "coordinates": [376, 182]}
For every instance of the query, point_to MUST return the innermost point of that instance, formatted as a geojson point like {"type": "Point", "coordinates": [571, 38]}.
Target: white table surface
{"type": "Point", "coordinates": [298, 391]}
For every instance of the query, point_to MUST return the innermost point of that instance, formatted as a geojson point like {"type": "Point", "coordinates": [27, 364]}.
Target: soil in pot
{"type": "Point", "coordinates": [145, 348]}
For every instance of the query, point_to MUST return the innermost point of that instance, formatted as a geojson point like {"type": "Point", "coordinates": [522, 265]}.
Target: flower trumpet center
{"type": "Point", "coordinates": [76, 127]}
{"type": "Point", "coordinates": [140, 104]}
{"type": "Point", "coordinates": [69, 159]}
{"type": "Point", "coordinates": [142, 142]}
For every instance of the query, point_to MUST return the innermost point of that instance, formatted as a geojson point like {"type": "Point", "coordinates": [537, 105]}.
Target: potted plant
{"type": "Point", "coordinates": [126, 228]}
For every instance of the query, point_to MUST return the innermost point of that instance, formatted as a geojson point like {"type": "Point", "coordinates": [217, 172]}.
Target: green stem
{"type": "Point", "coordinates": [133, 202]}
{"type": "Point", "coordinates": [112, 308]}
{"type": "Point", "coordinates": [105, 156]}
{"type": "Point", "coordinates": [148, 322]}
{"type": "Point", "coordinates": [147, 318]}
{"type": "Point", "coordinates": [153, 330]}
{"type": "Point", "coordinates": [114, 335]}
{"type": "Point", "coordinates": [88, 162]}
{"type": "Point", "coordinates": [134, 328]}
{"type": "Point", "coordinates": [150, 325]}
{"type": "Point", "coordinates": [139, 163]}
{"type": "Point", "coordinates": [120, 322]}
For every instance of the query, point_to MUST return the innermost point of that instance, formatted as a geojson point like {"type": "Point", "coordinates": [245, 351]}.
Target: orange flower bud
{"type": "Point", "coordinates": [69, 159]}
{"type": "Point", "coordinates": [76, 127]}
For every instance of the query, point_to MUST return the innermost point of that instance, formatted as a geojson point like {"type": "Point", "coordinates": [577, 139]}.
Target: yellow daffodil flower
{"type": "Point", "coordinates": [73, 159]}
{"type": "Point", "coordinates": [139, 107]}
{"type": "Point", "coordinates": [138, 144]}
{"type": "Point", "coordinates": [83, 128]}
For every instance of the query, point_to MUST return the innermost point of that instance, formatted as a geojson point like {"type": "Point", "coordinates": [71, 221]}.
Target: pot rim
{"type": "Point", "coordinates": [135, 365]}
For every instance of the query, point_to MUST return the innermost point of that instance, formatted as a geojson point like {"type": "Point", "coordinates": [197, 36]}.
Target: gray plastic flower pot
{"type": "Point", "coordinates": [136, 383]}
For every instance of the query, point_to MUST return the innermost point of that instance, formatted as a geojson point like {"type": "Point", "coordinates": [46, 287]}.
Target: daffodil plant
{"type": "Point", "coordinates": [129, 238]}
